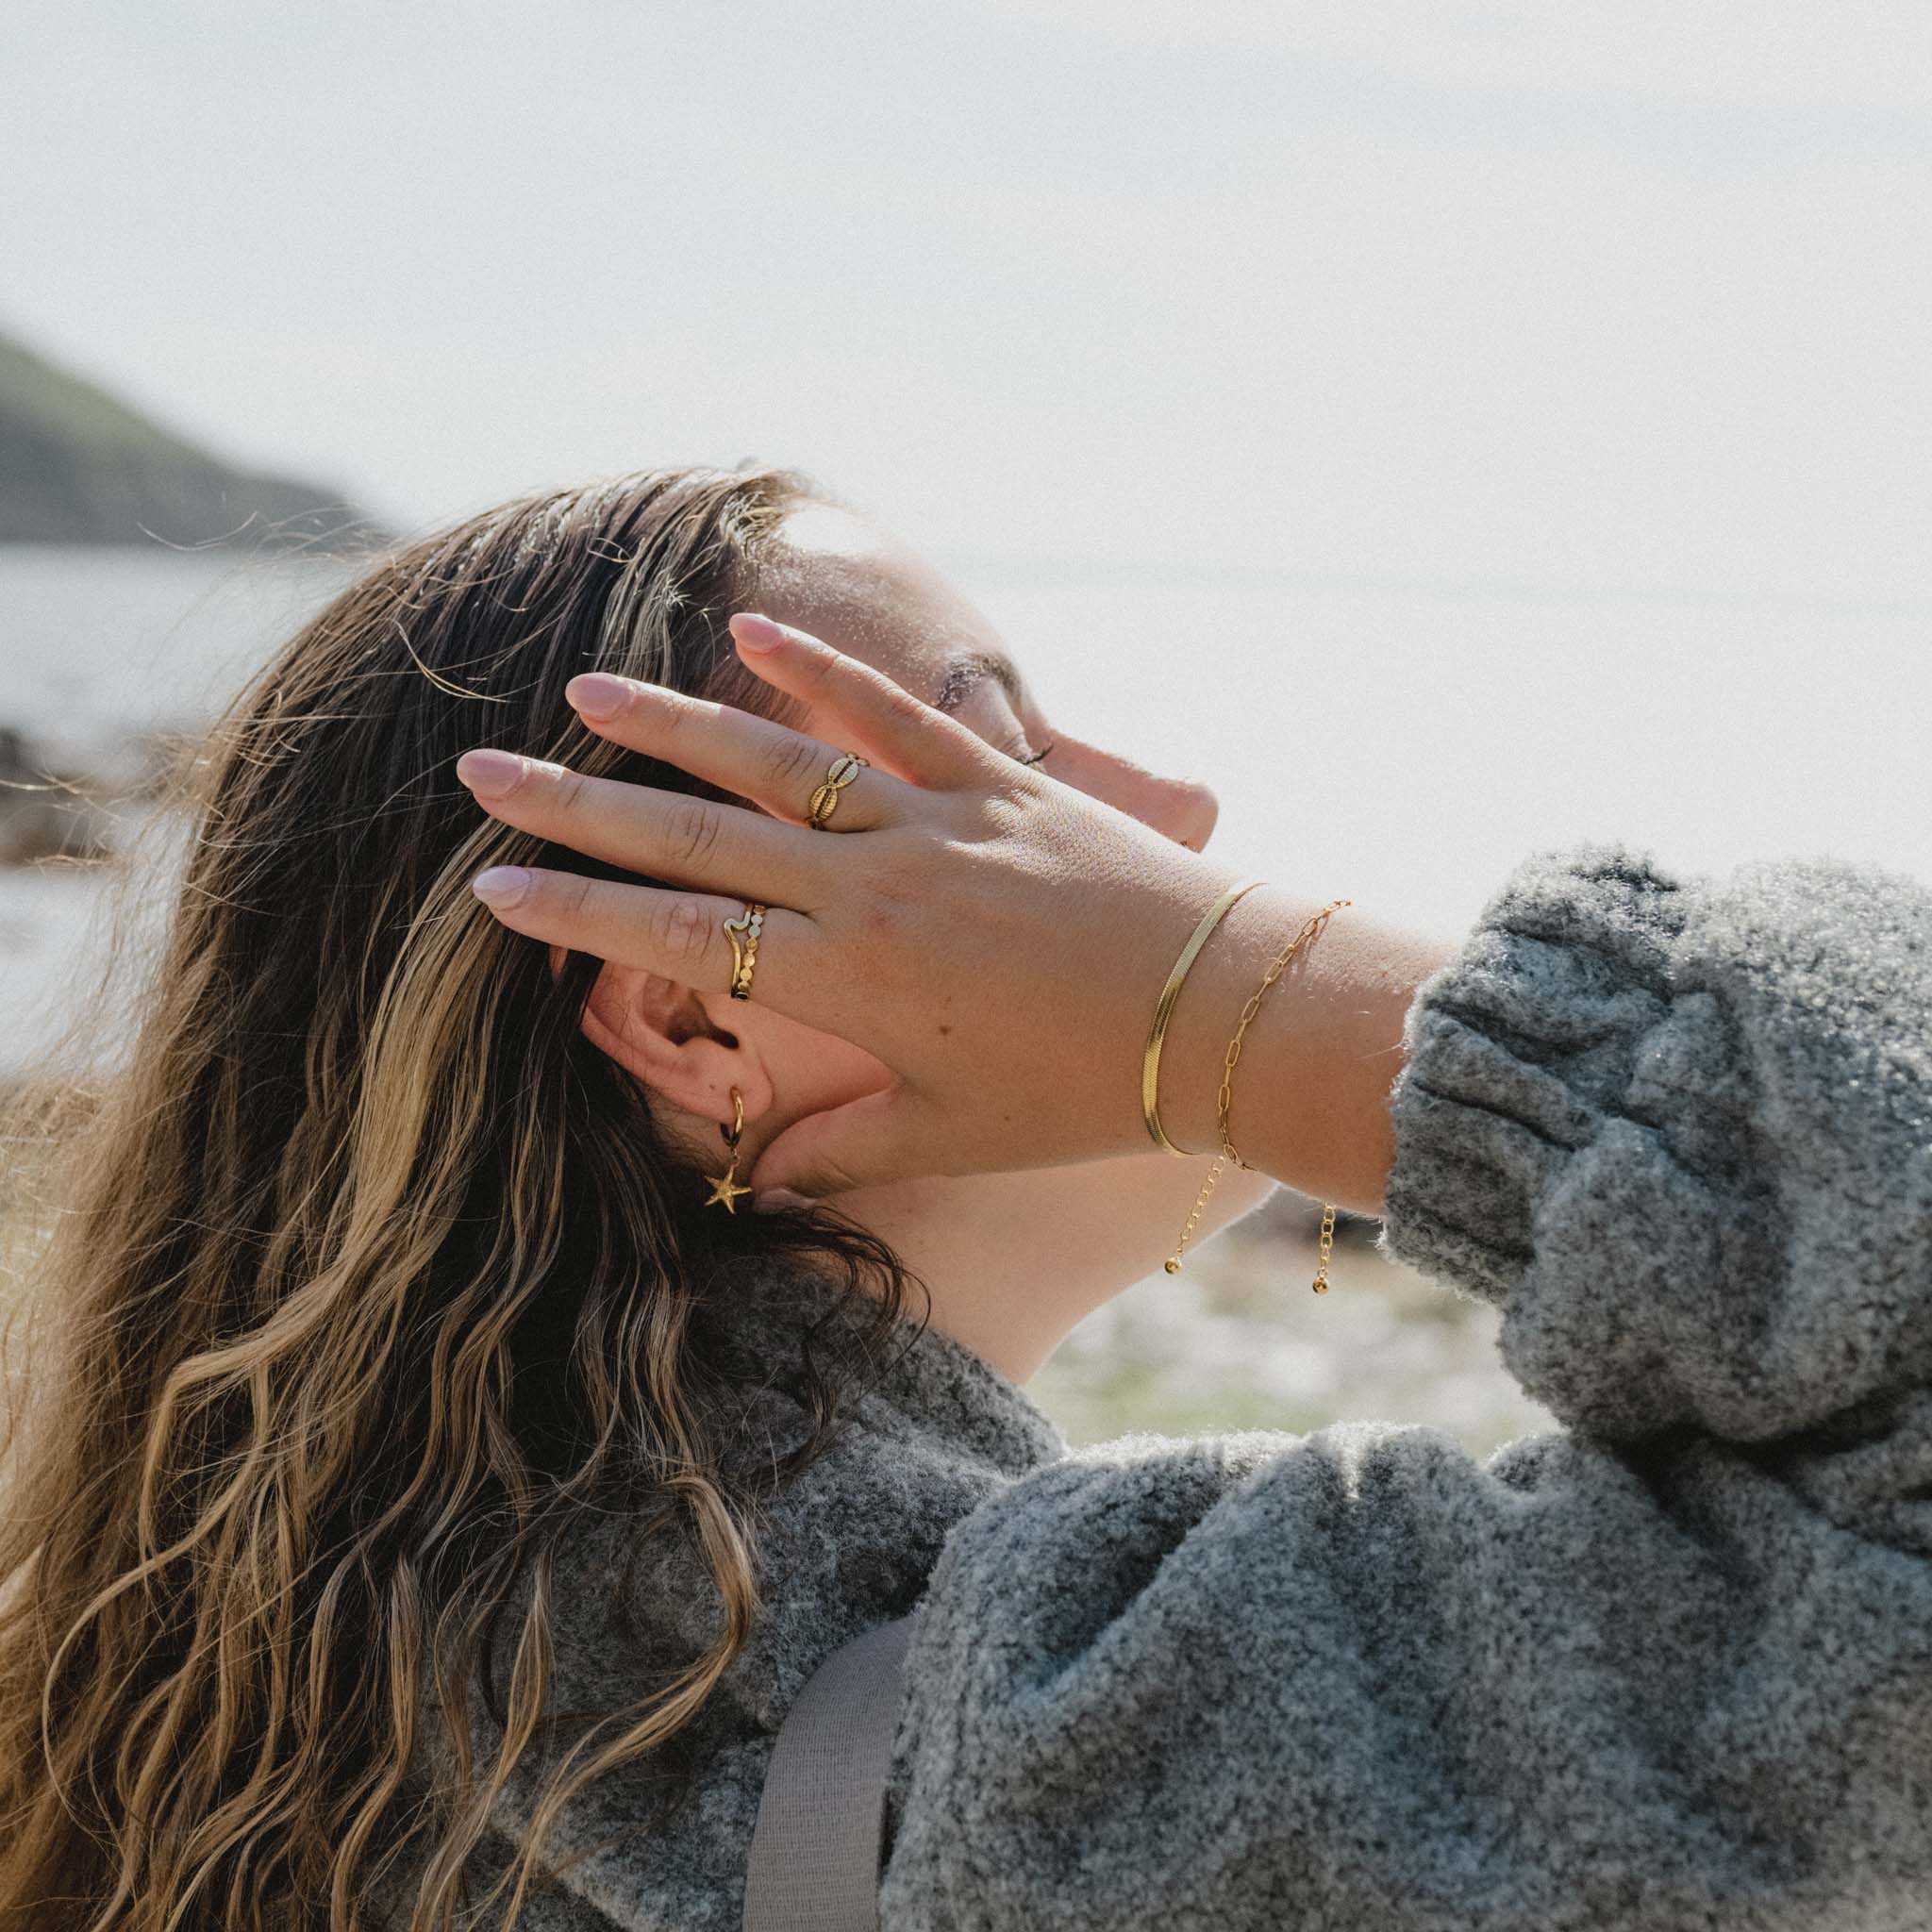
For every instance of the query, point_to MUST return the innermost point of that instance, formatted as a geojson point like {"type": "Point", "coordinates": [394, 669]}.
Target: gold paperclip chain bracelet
{"type": "Point", "coordinates": [1224, 1100]}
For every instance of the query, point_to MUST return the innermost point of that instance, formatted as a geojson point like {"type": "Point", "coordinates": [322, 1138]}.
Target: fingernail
{"type": "Point", "coordinates": [768, 1200]}
{"type": "Point", "coordinates": [490, 773]}
{"type": "Point", "coordinates": [597, 694]}
{"type": "Point", "coordinates": [757, 633]}
{"type": "Point", "coordinates": [502, 885]}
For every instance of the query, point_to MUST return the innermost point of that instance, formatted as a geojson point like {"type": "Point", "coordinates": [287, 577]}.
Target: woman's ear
{"type": "Point", "coordinates": [690, 1048]}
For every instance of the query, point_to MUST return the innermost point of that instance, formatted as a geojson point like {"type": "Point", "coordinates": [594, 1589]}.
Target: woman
{"type": "Point", "coordinates": [444, 1487]}
{"type": "Point", "coordinates": [380, 1287]}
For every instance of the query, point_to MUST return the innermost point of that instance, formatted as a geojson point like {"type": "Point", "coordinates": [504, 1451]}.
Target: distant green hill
{"type": "Point", "coordinates": [77, 466]}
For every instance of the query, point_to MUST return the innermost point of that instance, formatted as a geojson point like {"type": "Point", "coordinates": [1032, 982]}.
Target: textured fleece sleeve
{"type": "Point", "coordinates": [1680, 1132]}
{"type": "Point", "coordinates": [1669, 1667]}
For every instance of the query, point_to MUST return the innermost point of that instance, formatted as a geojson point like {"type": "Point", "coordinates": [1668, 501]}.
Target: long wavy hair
{"type": "Point", "coordinates": [363, 1277]}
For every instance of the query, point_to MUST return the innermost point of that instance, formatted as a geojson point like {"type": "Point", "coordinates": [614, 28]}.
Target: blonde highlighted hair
{"type": "Point", "coordinates": [363, 1275]}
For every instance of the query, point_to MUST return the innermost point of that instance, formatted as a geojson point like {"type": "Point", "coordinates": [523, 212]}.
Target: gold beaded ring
{"type": "Point", "coordinates": [744, 934]}
{"type": "Point", "coordinates": [825, 801]}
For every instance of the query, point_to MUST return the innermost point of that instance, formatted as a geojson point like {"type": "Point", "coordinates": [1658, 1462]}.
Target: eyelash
{"type": "Point", "coordinates": [1035, 758]}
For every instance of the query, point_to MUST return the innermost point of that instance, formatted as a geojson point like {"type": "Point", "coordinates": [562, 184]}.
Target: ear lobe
{"type": "Point", "coordinates": [661, 1033]}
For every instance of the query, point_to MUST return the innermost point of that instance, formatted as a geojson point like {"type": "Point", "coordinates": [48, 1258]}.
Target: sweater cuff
{"type": "Point", "coordinates": [1518, 1048]}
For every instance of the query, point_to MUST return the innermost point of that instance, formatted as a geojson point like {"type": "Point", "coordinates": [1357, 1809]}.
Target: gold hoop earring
{"type": "Point", "coordinates": [726, 1186]}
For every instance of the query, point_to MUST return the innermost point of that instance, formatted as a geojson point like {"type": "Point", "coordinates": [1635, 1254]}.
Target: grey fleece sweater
{"type": "Point", "coordinates": [1668, 1667]}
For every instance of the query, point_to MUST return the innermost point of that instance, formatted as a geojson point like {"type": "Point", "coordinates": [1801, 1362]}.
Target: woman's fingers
{"type": "Point", "coordinates": [882, 718]}
{"type": "Point", "coordinates": [667, 835]}
{"type": "Point", "coordinates": [679, 935]}
{"type": "Point", "coordinates": [770, 763]}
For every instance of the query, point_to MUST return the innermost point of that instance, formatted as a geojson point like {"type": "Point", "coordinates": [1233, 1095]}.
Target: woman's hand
{"type": "Point", "coordinates": [997, 939]}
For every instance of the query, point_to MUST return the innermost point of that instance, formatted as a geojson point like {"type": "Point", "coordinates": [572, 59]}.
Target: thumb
{"type": "Point", "coordinates": [865, 1140]}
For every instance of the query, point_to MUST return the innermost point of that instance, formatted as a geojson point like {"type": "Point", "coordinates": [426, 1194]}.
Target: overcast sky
{"type": "Point", "coordinates": [1564, 295]}
{"type": "Point", "coordinates": [1560, 372]}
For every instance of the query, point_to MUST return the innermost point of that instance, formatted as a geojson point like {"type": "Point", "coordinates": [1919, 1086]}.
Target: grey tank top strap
{"type": "Point", "coordinates": [814, 1863]}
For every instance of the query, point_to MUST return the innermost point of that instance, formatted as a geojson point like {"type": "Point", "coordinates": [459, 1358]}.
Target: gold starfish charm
{"type": "Point", "coordinates": [726, 1187]}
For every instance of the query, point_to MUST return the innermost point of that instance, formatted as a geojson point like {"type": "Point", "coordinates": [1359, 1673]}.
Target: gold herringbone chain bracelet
{"type": "Point", "coordinates": [1225, 1100]}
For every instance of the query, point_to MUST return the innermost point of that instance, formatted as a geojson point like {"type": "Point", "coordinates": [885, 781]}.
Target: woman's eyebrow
{"type": "Point", "coordinates": [968, 669]}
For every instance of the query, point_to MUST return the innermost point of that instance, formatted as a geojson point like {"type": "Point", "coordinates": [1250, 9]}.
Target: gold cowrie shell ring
{"type": "Point", "coordinates": [825, 801]}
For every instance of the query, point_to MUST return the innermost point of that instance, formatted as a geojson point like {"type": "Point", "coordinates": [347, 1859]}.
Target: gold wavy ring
{"type": "Point", "coordinates": [825, 801]}
{"type": "Point", "coordinates": [744, 934]}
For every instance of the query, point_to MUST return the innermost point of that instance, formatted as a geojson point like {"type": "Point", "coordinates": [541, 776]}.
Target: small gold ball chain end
{"type": "Point", "coordinates": [1320, 1281]}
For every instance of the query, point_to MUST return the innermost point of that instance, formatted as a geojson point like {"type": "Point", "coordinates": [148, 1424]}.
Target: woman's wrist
{"type": "Point", "coordinates": [1309, 1099]}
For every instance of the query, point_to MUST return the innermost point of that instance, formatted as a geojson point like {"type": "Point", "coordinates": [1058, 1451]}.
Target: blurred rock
{"type": "Point", "coordinates": [1237, 1340]}
{"type": "Point", "coordinates": [48, 812]}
